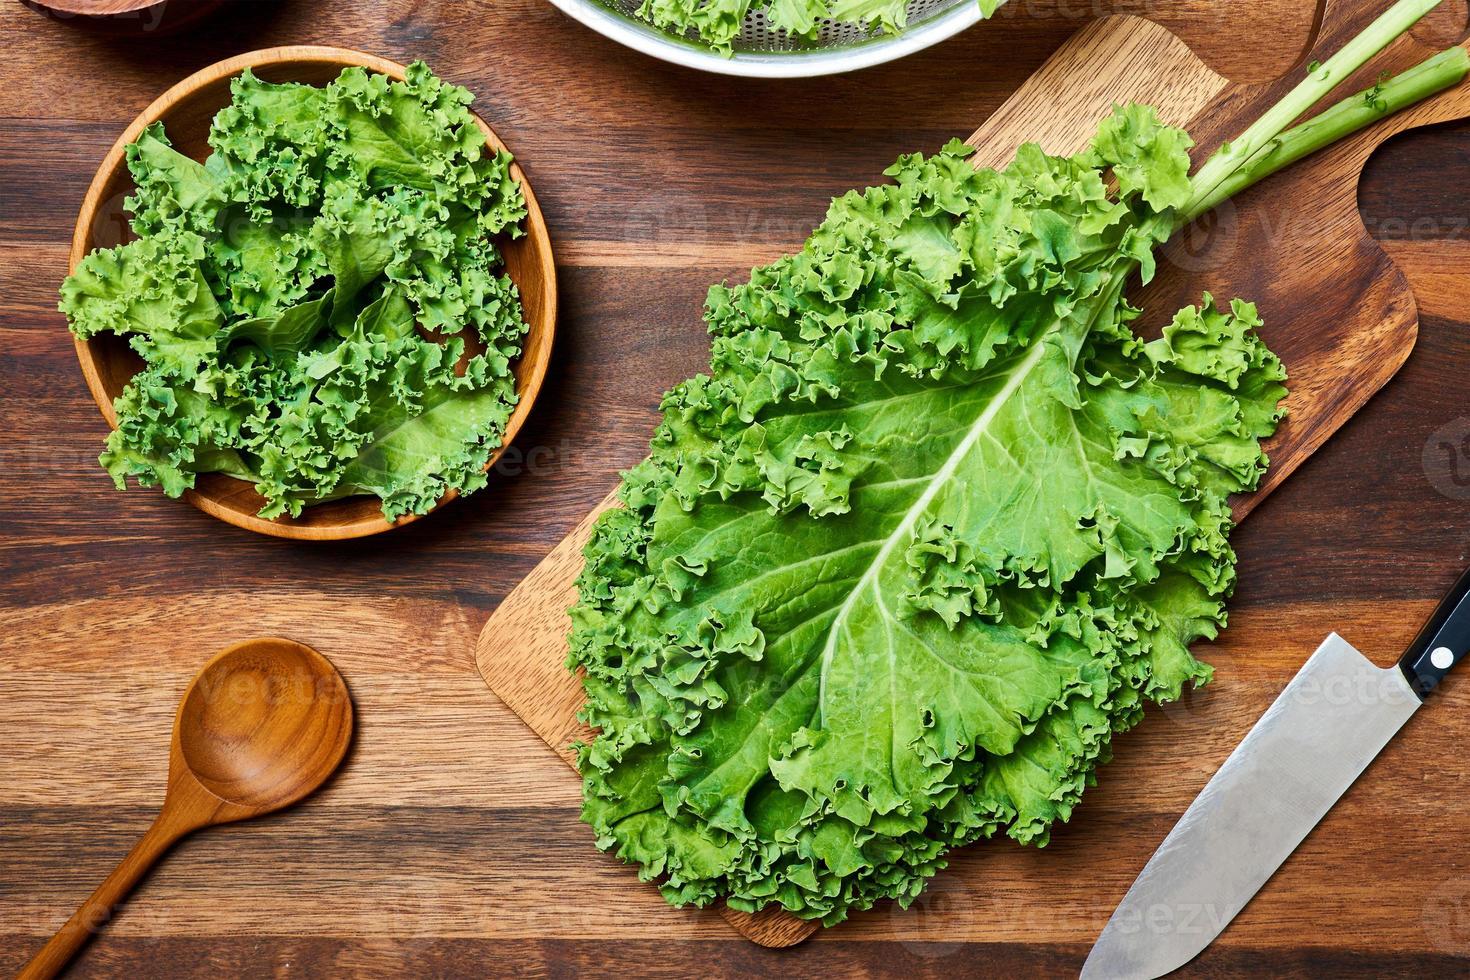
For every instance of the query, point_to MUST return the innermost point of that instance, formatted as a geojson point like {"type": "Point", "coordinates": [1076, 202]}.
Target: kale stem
{"type": "Point", "coordinates": [1320, 80]}
{"type": "Point", "coordinates": [1427, 78]}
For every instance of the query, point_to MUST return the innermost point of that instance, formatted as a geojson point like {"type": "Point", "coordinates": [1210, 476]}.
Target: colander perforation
{"type": "Point", "coordinates": [761, 50]}
{"type": "Point", "coordinates": [757, 36]}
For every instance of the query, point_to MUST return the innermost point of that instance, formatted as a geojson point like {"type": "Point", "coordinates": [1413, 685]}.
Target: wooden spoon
{"type": "Point", "coordinates": [263, 724]}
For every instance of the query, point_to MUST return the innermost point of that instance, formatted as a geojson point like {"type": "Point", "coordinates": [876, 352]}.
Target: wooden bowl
{"type": "Point", "coordinates": [127, 16]}
{"type": "Point", "coordinates": [186, 111]}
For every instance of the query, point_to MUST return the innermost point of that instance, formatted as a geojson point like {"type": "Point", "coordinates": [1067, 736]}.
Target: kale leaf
{"type": "Point", "coordinates": [933, 529]}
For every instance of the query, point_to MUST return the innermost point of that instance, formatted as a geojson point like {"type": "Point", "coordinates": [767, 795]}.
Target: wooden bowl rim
{"type": "Point", "coordinates": [286, 527]}
{"type": "Point", "coordinates": [97, 8]}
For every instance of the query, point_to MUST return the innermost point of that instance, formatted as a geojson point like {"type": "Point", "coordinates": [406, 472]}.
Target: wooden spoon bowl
{"type": "Point", "coordinates": [186, 111]}
{"type": "Point", "coordinates": [263, 723]}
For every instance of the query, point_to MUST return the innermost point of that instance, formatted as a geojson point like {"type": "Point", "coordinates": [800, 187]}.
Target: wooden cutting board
{"type": "Point", "coordinates": [1336, 309]}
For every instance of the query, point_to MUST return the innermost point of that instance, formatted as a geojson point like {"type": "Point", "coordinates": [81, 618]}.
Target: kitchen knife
{"type": "Point", "coordinates": [1322, 731]}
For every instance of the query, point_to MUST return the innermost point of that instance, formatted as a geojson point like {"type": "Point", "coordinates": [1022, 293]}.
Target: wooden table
{"type": "Point", "coordinates": [450, 843]}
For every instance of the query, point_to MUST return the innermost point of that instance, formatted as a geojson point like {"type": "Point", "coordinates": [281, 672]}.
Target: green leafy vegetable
{"type": "Point", "coordinates": [935, 527]}
{"type": "Point", "coordinates": [718, 23]}
{"type": "Point", "coordinates": [289, 297]}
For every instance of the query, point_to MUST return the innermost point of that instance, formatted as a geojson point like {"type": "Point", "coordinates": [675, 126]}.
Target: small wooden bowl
{"type": "Point", "coordinates": [186, 111]}
{"type": "Point", "coordinates": [127, 16]}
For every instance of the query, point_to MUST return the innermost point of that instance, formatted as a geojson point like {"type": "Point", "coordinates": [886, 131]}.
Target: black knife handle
{"type": "Point", "coordinates": [1442, 643]}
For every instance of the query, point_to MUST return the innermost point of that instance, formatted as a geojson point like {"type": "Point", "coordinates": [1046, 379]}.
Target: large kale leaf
{"type": "Point", "coordinates": [936, 525]}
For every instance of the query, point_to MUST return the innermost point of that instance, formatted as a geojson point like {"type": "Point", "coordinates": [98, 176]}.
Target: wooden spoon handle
{"type": "Point", "coordinates": [97, 910]}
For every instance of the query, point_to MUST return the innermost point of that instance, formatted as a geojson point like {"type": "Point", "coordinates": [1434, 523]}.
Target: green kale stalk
{"type": "Point", "coordinates": [936, 525]}
{"type": "Point", "coordinates": [290, 297]}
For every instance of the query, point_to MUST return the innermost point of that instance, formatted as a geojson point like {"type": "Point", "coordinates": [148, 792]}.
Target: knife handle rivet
{"type": "Point", "coordinates": [1443, 658]}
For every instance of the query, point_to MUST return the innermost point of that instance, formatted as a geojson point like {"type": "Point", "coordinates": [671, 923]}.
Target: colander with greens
{"type": "Point", "coordinates": [778, 38]}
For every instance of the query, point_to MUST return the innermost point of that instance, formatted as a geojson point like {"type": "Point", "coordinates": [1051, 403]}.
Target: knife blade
{"type": "Point", "coordinates": [1319, 735]}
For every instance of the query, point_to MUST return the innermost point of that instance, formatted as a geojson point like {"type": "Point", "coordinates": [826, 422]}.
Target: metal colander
{"type": "Point", "coordinates": [762, 51]}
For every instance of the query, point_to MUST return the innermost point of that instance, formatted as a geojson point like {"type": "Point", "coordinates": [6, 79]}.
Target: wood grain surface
{"type": "Point", "coordinates": [450, 844]}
